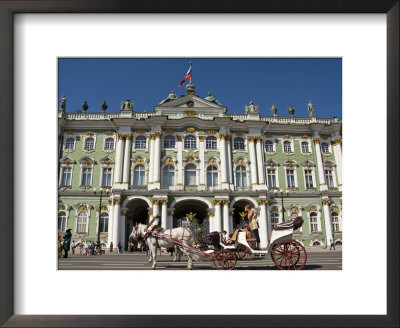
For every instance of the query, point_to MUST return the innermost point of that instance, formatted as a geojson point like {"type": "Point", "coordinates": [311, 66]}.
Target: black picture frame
{"type": "Point", "coordinates": [10, 7]}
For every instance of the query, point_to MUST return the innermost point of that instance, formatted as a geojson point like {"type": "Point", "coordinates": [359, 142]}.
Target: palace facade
{"type": "Point", "coordinates": [189, 159]}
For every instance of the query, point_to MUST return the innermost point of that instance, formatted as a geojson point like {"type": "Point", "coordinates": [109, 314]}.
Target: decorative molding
{"type": "Point", "coordinates": [69, 132]}
{"type": "Point", "coordinates": [164, 201]}
{"type": "Point", "coordinates": [169, 131]}
{"type": "Point", "coordinates": [222, 136]}
{"type": "Point", "coordinates": [169, 160]}
{"type": "Point", "coordinates": [287, 136]}
{"type": "Point", "coordinates": [241, 161]}
{"type": "Point", "coordinates": [336, 141]}
{"type": "Point", "coordinates": [268, 135]}
{"type": "Point", "coordinates": [189, 113]}
{"type": "Point", "coordinates": [217, 202]}
{"type": "Point", "coordinates": [62, 207]}
{"type": "Point", "coordinates": [262, 201]}
{"type": "Point", "coordinates": [317, 141]}
{"type": "Point", "coordinates": [212, 161]}
{"type": "Point", "coordinates": [109, 133]}
{"type": "Point", "coordinates": [190, 130]}
{"type": "Point", "coordinates": [90, 133]}
{"type": "Point", "coordinates": [211, 132]}
{"type": "Point", "coordinates": [226, 202]}
{"type": "Point", "coordinates": [251, 138]}
{"type": "Point", "coordinates": [325, 202]}
{"type": "Point", "coordinates": [305, 137]}
{"type": "Point", "coordinates": [202, 138]}
{"type": "Point", "coordinates": [139, 160]}
{"type": "Point", "coordinates": [275, 209]}
{"type": "Point", "coordinates": [140, 131]}
{"type": "Point", "coordinates": [239, 133]}
{"type": "Point", "coordinates": [179, 137]}
{"type": "Point", "coordinates": [334, 208]}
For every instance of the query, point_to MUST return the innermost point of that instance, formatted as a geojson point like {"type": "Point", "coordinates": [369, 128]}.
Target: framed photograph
{"type": "Point", "coordinates": [37, 35]}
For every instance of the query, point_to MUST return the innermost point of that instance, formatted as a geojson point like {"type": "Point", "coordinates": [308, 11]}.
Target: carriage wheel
{"type": "Point", "coordinates": [243, 253]}
{"type": "Point", "coordinates": [289, 255]}
{"type": "Point", "coordinates": [225, 260]}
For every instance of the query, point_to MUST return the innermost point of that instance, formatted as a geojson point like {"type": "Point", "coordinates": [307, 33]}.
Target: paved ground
{"type": "Point", "coordinates": [317, 259]}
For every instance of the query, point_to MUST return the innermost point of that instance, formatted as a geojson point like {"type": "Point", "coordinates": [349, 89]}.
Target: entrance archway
{"type": "Point", "coordinates": [239, 215]}
{"type": "Point", "coordinates": [189, 210]}
{"type": "Point", "coordinates": [138, 212]}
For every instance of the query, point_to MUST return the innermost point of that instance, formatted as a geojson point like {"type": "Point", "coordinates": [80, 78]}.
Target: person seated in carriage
{"type": "Point", "coordinates": [154, 226]}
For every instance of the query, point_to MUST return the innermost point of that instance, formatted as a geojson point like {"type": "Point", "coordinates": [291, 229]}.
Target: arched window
{"type": "Point", "coordinates": [190, 175]}
{"type": "Point", "coordinates": [274, 218]}
{"type": "Point", "coordinates": [140, 142]}
{"type": "Point", "coordinates": [69, 144]}
{"type": "Point", "coordinates": [109, 144]}
{"type": "Point", "coordinates": [81, 224]}
{"type": "Point", "coordinates": [269, 146]}
{"type": "Point", "coordinates": [139, 175]}
{"type": "Point", "coordinates": [169, 142]}
{"type": "Point", "coordinates": [238, 143]}
{"type": "Point", "coordinates": [287, 147]}
{"type": "Point", "coordinates": [211, 142]}
{"type": "Point", "coordinates": [89, 143]}
{"type": "Point", "coordinates": [168, 176]}
{"type": "Point", "coordinates": [304, 147]}
{"type": "Point", "coordinates": [241, 177]}
{"type": "Point", "coordinates": [335, 222]}
{"type": "Point", "coordinates": [324, 147]}
{"type": "Point", "coordinates": [190, 142]}
{"type": "Point", "coordinates": [103, 222]}
{"type": "Point", "coordinates": [62, 221]}
{"type": "Point", "coordinates": [212, 176]}
{"type": "Point", "coordinates": [313, 222]}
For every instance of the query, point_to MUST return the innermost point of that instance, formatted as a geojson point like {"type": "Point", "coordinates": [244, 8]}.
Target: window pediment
{"type": "Point", "coordinates": [87, 161]}
{"type": "Point", "coordinates": [308, 164]}
{"type": "Point", "coordinates": [271, 163]}
{"type": "Point", "coordinates": [107, 160]}
{"type": "Point", "coordinates": [66, 160]}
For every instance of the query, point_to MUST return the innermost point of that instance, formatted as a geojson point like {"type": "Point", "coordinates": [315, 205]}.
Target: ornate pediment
{"type": "Point", "coordinates": [66, 160]}
{"type": "Point", "coordinates": [87, 160]}
{"type": "Point", "coordinates": [190, 106]}
{"type": "Point", "coordinates": [308, 164]}
{"type": "Point", "coordinates": [107, 160]}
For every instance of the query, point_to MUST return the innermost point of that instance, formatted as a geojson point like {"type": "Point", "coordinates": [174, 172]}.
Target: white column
{"type": "Point", "coordinates": [229, 160]}
{"type": "Point", "coordinates": [230, 221]}
{"type": "Point", "coordinates": [253, 162]}
{"type": "Point", "coordinates": [179, 147]}
{"type": "Point", "coordinates": [202, 185]}
{"type": "Point", "coordinates": [224, 167]}
{"type": "Point", "coordinates": [226, 215]}
{"type": "Point", "coordinates": [262, 221]}
{"type": "Point", "coordinates": [116, 221]}
{"type": "Point", "coordinates": [217, 219]}
{"type": "Point", "coordinates": [164, 223]}
{"type": "Point", "coordinates": [119, 159]}
{"type": "Point", "coordinates": [127, 159]}
{"type": "Point", "coordinates": [157, 159]}
{"type": "Point", "coordinates": [260, 163]}
{"type": "Point", "coordinates": [122, 224]}
{"type": "Point", "coordinates": [338, 158]}
{"type": "Point", "coordinates": [110, 224]}
{"type": "Point", "coordinates": [211, 220]}
{"type": "Point", "coordinates": [170, 219]}
{"type": "Point", "coordinates": [151, 164]}
{"type": "Point", "coordinates": [321, 177]}
{"type": "Point", "coordinates": [156, 208]}
{"type": "Point", "coordinates": [269, 228]}
{"type": "Point", "coordinates": [327, 220]}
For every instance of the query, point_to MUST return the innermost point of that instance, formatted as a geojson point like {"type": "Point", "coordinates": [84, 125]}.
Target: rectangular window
{"type": "Point", "coordinates": [66, 176]}
{"type": "Point", "coordinates": [86, 176]}
{"type": "Point", "coordinates": [329, 178]}
{"type": "Point", "coordinates": [271, 178]}
{"type": "Point", "coordinates": [290, 178]}
{"type": "Point", "coordinates": [168, 179]}
{"type": "Point", "coordinates": [335, 223]}
{"type": "Point", "coordinates": [313, 224]}
{"type": "Point", "coordinates": [309, 178]}
{"type": "Point", "coordinates": [106, 180]}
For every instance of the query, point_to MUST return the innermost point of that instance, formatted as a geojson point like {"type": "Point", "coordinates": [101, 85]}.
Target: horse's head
{"type": "Point", "coordinates": [135, 234]}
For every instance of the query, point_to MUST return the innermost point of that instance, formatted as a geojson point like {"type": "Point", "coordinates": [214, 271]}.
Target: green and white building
{"type": "Point", "coordinates": [189, 155]}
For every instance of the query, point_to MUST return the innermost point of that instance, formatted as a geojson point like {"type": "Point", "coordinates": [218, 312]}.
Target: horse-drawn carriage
{"type": "Point", "coordinates": [287, 254]}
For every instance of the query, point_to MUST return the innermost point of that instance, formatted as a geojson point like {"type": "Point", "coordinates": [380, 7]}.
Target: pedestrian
{"type": "Point", "coordinates": [73, 245]}
{"type": "Point", "coordinates": [81, 248]}
{"type": "Point", "coordinates": [111, 247]}
{"type": "Point", "coordinates": [67, 242]}
{"type": "Point", "coordinates": [119, 247]}
{"type": "Point", "coordinates": [253, 224]}
{"type": "Point", "coordinates": [332, 245]}
{"type": "Point", "coordinates": [59, 245]}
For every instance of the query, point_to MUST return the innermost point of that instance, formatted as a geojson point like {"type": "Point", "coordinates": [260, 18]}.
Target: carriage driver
{"type": "Point", "coordinates": [153, 225]}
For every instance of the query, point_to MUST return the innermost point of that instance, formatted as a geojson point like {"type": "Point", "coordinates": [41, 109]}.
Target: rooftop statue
{"type": "Point", "coordinates": [251, 109]}
{"type": "Point", "coordinates": [210, 98]}
{"type": "Point", "coordinates": [170, 97]}
{"type": "Point", "coordinates": [274, 110]}
{"type": "Point", "coordinates": [127, 104]}
{"type": "Point", "coordinates": [291, 110]}
{"type": "Point", "coordinates": [85, 106]}
{"type": "Point", "coordinates": [310, 108]}
{"type": "Point", "coordinates": [63, 103]}
{"type": "Point", "coordinates": [104, 106]}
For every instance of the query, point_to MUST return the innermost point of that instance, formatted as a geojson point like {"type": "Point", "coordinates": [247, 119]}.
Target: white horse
{"type": "Point", "coordinates": [162, 239]}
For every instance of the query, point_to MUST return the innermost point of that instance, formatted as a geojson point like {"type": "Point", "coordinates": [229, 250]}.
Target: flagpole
{"type": "Point", "coordinates": [190, 64]}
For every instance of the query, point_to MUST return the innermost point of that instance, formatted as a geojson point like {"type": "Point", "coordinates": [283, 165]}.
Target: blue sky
{"type": "Point", "coordinates": [233, 81]}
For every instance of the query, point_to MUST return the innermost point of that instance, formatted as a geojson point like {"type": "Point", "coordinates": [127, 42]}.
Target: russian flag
{"type": "Point", "coordinates": [187, 76]}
